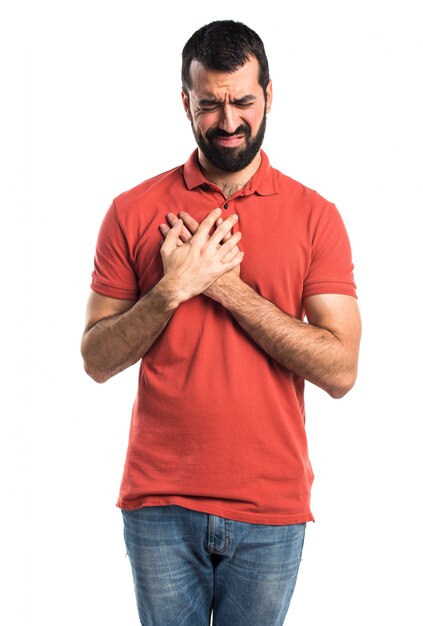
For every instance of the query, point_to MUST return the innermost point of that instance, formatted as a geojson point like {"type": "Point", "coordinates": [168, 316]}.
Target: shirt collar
{"type": "Point", "coordinates": [263, 182]}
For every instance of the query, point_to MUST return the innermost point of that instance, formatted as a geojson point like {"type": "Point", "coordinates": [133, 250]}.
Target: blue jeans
{"type": "Point", "coordinates": [186, 564]}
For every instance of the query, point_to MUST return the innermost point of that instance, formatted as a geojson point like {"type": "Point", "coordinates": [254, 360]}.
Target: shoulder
{"type": "Point", "coordinates": [131, 200]}
{"type": "Point", "coordinates": [289, 188]}
{"type": "Point", "coordinates": [292, 188]}
{"type": "Point", "coordinates": [300, 199]}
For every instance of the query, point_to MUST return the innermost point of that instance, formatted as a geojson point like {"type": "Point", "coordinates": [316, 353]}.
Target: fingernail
{"type": "Point", "coordinates": [235, 217]}
{"type": "Point", "coordinates": [218, 211]}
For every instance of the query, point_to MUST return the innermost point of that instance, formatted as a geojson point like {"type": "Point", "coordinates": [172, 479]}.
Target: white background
{"type": "Point", "coordinates": [97, 85]}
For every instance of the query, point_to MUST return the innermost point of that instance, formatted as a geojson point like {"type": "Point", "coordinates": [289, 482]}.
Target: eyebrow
{"type": "Point", "coordinates": [204, 102]}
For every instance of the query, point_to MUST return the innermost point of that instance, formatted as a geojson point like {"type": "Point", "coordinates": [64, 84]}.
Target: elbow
{"type": "Point", "coordinates": [343, 385]}
{"type": "Point", "coordinates": [90, 367]}
{"type": "Point", "coordinates": [95, 374]}
{"type": "Point", "coordinates": [338, 392]}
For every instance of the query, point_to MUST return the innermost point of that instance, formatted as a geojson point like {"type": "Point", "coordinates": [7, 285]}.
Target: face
{"type": "Point", "coordinates": [228, 114]}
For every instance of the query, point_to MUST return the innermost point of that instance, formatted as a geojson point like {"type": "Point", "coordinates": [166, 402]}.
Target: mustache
{"type": "Point", "coordinates": [243, 129]}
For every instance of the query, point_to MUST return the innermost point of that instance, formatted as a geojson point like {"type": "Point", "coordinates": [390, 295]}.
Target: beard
{"type": "Point", "coordinates": [231, 159]}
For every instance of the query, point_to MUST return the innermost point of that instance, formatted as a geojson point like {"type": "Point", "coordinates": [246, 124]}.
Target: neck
{"type": "Point", "coordinates": [228, 182]}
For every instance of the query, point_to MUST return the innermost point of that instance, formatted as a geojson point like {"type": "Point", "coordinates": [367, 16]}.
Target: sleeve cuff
{"type": "Point", "coordinates": [114, 292]}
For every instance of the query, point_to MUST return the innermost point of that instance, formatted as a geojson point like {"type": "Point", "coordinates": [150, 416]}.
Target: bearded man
{"type": "Point", "coordinates": [233, 284]}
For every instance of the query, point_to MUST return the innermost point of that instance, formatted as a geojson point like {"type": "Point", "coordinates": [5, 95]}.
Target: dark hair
{"type": "Point", "coordinates": [224, 46]}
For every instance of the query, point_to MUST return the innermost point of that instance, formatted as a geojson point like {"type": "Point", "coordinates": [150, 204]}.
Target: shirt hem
{"type": "Point", "coordinates": [225, 512]}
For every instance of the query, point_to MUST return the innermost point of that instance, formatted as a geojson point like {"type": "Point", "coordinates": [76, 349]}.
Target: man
{"type": "Point", "coordinates": [205, 273]}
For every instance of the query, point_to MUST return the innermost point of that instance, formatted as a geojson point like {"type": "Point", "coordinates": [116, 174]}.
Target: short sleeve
{"type": "Point", "coordinates": [114, 275]}
{"type": "Point", "coordinates": [331, 267]}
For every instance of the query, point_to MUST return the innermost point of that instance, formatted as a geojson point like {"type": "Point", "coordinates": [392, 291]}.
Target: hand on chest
{"type": "Point", "coordinates": [275, 242]}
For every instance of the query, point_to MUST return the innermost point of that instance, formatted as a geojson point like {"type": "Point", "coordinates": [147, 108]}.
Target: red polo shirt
{"type": "Point", "coordinates": [217, 424]}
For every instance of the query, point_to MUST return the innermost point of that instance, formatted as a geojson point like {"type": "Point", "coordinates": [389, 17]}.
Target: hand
{"type": "Point", "coordinates": [192, 262]}
{"type": "Point", "coordinates": [222, 284]}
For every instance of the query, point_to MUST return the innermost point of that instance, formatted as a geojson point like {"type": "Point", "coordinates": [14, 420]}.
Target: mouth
{"type": "Point", "coordinates": [232, 141]}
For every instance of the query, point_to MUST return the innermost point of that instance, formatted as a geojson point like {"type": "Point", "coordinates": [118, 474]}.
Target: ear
{"type": "Point", "coordinates": [269, 96]}
{"type": "Point", "coordinates": [185, 102]}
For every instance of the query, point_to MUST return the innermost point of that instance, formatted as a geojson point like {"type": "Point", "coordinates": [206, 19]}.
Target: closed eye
{"type": "Point", "coordinates": [212, 105]}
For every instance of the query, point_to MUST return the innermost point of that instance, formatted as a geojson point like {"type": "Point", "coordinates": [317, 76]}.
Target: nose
{"type": "Point", "coordinates": [229, 120]}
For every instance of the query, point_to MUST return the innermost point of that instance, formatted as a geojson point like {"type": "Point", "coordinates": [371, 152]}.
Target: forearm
{"type": "Point", "coordinates": [311, 352]}
{"type": "Point", "coordinates": [117, 342]}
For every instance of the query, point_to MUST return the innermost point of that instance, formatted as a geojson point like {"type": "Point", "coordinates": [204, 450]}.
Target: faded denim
{"type": "Point", "coordinates": [186, 564]}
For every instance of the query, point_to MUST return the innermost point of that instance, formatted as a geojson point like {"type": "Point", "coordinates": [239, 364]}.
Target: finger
{"type": "Point", "coordinates": [190, 222]}
{"type": "Point", "coordinates": [204, 228]}
{"type": "Point", "coordinates": [235, 261]}
{"type": "Point", "coordinates": [218, 223]}
{"type": "Point", "coordinates": [227, 236]}
{"type": "Point", "coordinates": [164, 229]}
{"type": "Point", "coordinates": [229, 245]}
{"type": "Point", "coordinates": [172, 238]}
{"type": "Point", "coordinates": [230, 255]}
{"type": "Point", "coordinates": [223, 230]}
{"type": "Point", "coordinates": [185, 234]}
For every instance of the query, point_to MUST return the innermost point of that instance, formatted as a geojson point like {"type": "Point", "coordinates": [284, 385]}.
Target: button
{"type": "Point", "coordinates": [226, 205]}
{"type": "Point", "coordinates": [205, 186]}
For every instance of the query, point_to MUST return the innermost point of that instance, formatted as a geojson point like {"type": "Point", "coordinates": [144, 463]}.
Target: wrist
{"type": "Point", "coordinates": [227, 290]}
{"type": "Point", "coordinates": [170, 296]}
